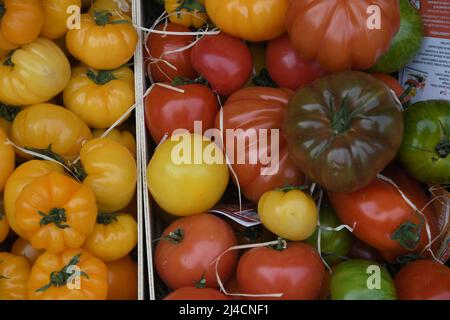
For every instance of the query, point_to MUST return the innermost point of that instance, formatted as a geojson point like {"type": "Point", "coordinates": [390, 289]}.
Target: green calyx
{"type": "Point", "coordinates": [341, 121]}
{"type": "Point", "coordinates": [102, 18]}
{"type": "Point", "coordinates": [56, 216]}
{"type": "Point", "coordinates": [48, 153]}
{"type": "Point", "coordinates": [280, 245]}
{"type": "Point", "coordinates": [263, 79]}
{"type": "Point", "coordinates": [443, 148]}
{"type": "Point", "coordinates": [9, 113]}
{"type": "Point", "coordinates": [191, 6]}
{"type": "Point", "coordinates": [106, 218]}
{"type": "Point", "coordinates": [201, 284]}
{"type": "Point", "coordinates": [78, 169]}
{"type": "Point", "coordinates": [60, 278]}
{"type": "Point", "coordinates": [408, 234]}
{"type": "Point", "coordinates": [100, 77]}
{"type": "Point", "coordinates": [175, 236]}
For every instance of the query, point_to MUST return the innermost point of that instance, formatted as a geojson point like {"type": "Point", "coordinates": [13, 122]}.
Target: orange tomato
{"type": "Point", "coordinates": [14, 272]}
{"type": "Point", "coordinates": [55, 17]}
{"type": "Point", "coordinates": [122, 279]}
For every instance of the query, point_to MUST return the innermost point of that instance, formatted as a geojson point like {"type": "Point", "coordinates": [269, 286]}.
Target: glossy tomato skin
{"type": "Point", "coordinates": [187, 17]}
{"type": "Point", "coordinates": [287, 68]}
{"type": "Point", "coordinates": [296, 271]}
{"type": "Point", "coordinates": [193, 293]}
{"type": "Point", "coordinates": [351, 279]}
{"type": "Point", "coordinates": [259, 108]}
{"type": "Point", "coordinates": [122, 279]}
{"type": "Point", "coordinates": [55, 17]}
{"type": "Point", "coordinates": [14, 271]}
{"type": "Point", "coordinates": [391, 82]}
{"type": "Point", "coordinates": [168, 110]}
{"type": "Point", "coordinates": [343, 130]}
{"type": "Point", "coordinates": [225, 61]}
{"type": "Point", "coordinates": [423, 280]}
{"type": "Point", "coordinates": [159, 47]}
{"type": "Point", "coordinates": [182, 264]}
{"type": "Point", "coordinates": [379, 211]}
{"type": "Point", "coordinates": [321, 30]}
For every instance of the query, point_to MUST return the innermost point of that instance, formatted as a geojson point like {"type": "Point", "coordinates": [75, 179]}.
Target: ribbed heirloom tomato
{"type": "Point", "coordinates": [342, 34]}
{"type": "Point", "coordinates": [50, 275]}
{"type": "Point", "coordinates": [56, 16]}
{"type": "Point", "coordinates": [99, 98]}
{"type": "Point", "coordinates": [14, 272]}
{"type": "Point", "coordinates": [252, 20]}
{"type": "Point", "coordinates": [56, 212]}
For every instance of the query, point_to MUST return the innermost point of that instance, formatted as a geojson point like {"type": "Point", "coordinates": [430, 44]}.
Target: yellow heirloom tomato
{"type": "Point", "coordinates": [33, 74]}
{"type": "Point", "coordinates": [252, 20]}
{"type": "Point", "coordinates": [291, 215]}
{"type": "Point", "coordinates": [74, 274]}
{"type": "Point", "coordinates": [14, 273]}
{"type": "Point", "coordinates": [115, 6]}
{"type": "Point", "coordinates": [47, 126]}
{"type": "Point", "coordinates": [189, 13]}
{"type": "Point", "coordinates": [19, 179]}
{"type": "Point", "coordinates": [99, 98]}
{"type": "Point", "coordinates": [181, 187]}
{"type": "Point", "coordinates": [109, 169]}
{"type": "Point", "coordinates": [114, 236]}
{"type": "Point", "coordinates": [125, 138]}
{"type": "Point", "coordinates": [56, 212]}
{"type": "Point", "coordinates": [23, 247]}
{"type": "Point", "coordinates": [55, 13]}
{"type": "Point", "coordinates": [105, 40]}
{"type": "Point", "coordinates": [7, 159]}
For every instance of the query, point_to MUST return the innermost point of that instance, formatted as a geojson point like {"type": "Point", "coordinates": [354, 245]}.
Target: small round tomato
{"type": "Point", "coordinates": [291, 215]}
{"type": "Point", "coordinates": [391, 82]}
{"type": "Point", "coordinates": [50, 276]}
{"type": "Point", "coordinates": [55, 17]}
{"type": "Point", "coordinates": [179, 185]}
{"type": "Point", "coordinates": [189, 247]}
{"type": "Point", "coordinates": [23, 247]}
{"type": "Point", "coordinates": [110, 170]}
{"type": "Point", "coordinates": [14, 272]}
{"type": "Point", "coordinates": [99, 98]}
{"type": "Point", "coordinates": [296, 271]}
{"type": "Point", "coordinates": [423, 280]}
{"type": "Point", "coordinates": [161, 46]}
{"type": "Point", "coordinates": [189, 13]}
{"type": "Point", "coordinates": [123, 137]}
{"type": "Point", "coordinates": [104, 41]}
{"type": "Point", "coordinates": [7, 159]}
{"type": "Point", "coordinates": [223, 60]}
{"type": "Point", "coordinates": [122, 279]}
{"type": "Point", "coordinates": [361, 280]}
{"type": "Point", "coordinates": [287, 68]}
{"type": "Point", "coordinates": [193, 293]}
{"type": "Point", "coordinates": [114, 236]}
{"type": "Point", "coordinates": [167, 110]}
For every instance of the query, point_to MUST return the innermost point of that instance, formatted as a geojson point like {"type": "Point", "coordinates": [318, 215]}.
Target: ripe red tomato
{"type": "Point", "coordinates": [193, 293]}
{"type": "Point", "coordinates": [287, 68]}
{"type": "Point", "coordinates": [225, 61]}
{"type": "Point", "coordinates": [423, 280]}
{"type": "Point", "coordinates": [296, 271]}
{"type": "Point", "coordinates": [391, 82]}
{"type": "Point", "coordinates": [160, 46]}
{"type": "Point", "coordinates": [383, 218]}
{"type": "Point", "coordinates": [189, 247]}
{"type": "Point", "coordinates": [167, 110]}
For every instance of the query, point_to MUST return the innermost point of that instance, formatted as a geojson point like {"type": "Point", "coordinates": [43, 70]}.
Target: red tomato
{"type": "Point", "coordinates": [325, 288]}
{"type": "Point", "coordinates": [160, 46]}
{"type": "Point", "coordinates": [296, 271]}
{"type": "Point", "coordinates": [167, 110]}
{"type": "Point", "coordinates": [225, 61]}
{"type": "Point", "coordinates": [391, 82]}
{"type": "Point", "coordinates": [423, 280]}
{"type": "Point", "coordinates": [193, 293]}
{"type": "Point", "coordinates": [383, 218]}
{"type": "Point", "coordinates": [287, 68]}
{"type": "Point", "coordinates": [189, 247]}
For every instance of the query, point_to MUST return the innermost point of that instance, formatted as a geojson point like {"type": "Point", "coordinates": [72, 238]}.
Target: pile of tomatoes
{"type": "Point", "coordinates": [67, 187]}
{"type": "Point", "coordinates": [347, 214]}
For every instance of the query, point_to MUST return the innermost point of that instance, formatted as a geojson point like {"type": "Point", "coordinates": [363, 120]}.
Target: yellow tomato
{"type": "Point", "coordinates": [180, 186]}
{"type": "Point", "coordinates": [56, 212]}
{"type": "Point", "coordinates": [99, 98]}
{"type": "Point", "coordinates": [47, 126]}
{"type": "Point", "coordinates": [4, 226]}
{"type": "Point", "coordinates": [14, 273]}
{"type": "Point", "coordinates": [114, 236]}
{"type": "Point", "coordinates": [252, 20]}
{"type": "Point", "coordinates": [190, 13]}
{"type": "Point", "coordinates": [33, 74]}
{"type": "Point", "coordinates": [118, 7]}
{"type": "Point", "coordinates": [74, 274]}
{"type": "Point", "coordinates": [7, 159]}
{"type": "Point", "coordinates": [291, 215]}
{"type": "Point", "coordinates": [20, 178]}
{"type": "Point", "coordinates": [21, 22]}
{"type": "Point", "coordinates": [55, 13]}
{"type": "Point", "coordinates": [105, 41]}
{"type": "Point", "coordinates": [122, 279]}
{"type": "Point", "coordinates": [125, 138]}
{"type": "Point", "coordinates": [109, 169]}
{"type": "Point", "coordinates": [22, 247]}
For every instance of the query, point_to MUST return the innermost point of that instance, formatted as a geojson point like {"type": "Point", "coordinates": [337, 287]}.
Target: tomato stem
{"type": "Point", "coordinates": [49, 153]}
{"type": "Point", "coordinates": [201, 284]}
{"type": "Point", "coordinates": [8, 62]}
{"type": "Point", "coordinates": [106, 218]}
{"type": "Point", "coordinates": [56, 216]}
{"type": "Point", "coordinates": [408, 234]}
{"type": "Point", "coordinates": [280, 246]}
{"type": "Point", "coordinates": [78, 170]}
{"type": "Point", "coordinates": [60, 278]}
{"type": "Point", "coordinates": [9, 113]}
{"type": "Point", "coordinates": [341, 120]}
{"type": "Point", "coordinates": [101, 77]}
{"type": "Point", "coordinates": [263, 79]}
{"type": "Point", "coordinates": [103, 17]}
{"type": "Point", "coordinates": [443, 149]}
{"type": "Point", "coordinates": [175, 236]}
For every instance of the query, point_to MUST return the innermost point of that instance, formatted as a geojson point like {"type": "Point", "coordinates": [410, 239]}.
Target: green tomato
{"type": "Point", "coordinates": [425, 150]}
{"type": "Point", "coordinates": [333, 244]}
{"type": "Point", "coordinates": [361, 280]}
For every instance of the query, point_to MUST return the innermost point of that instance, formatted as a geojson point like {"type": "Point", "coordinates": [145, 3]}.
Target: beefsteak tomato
{"type": "Point", "coordinates": [14, 273]}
